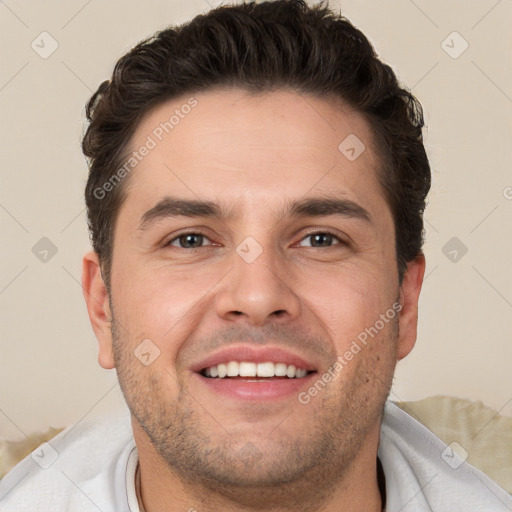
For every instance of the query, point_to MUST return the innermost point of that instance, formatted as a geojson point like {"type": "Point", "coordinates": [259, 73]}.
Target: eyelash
{"type": "Point", "coordinates": [340, 240]}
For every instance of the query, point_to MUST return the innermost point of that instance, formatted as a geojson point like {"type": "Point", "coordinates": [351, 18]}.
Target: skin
{"type": "Point", "coordinates": [254, 153]}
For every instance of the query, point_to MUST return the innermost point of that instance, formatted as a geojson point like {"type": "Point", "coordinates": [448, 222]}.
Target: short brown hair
{"type": "Point", "coordinates": [259, 47]}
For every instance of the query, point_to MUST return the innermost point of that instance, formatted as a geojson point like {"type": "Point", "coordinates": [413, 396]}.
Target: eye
{"type": "Point", "coordinates": [191, 240]}
{"type": "Point", "coordinates": [321, 239]}
{"type": "Point", "coordinates": [194, 240]}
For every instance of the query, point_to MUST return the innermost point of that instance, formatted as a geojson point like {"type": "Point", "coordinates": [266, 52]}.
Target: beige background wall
{"type": "Point", "coordinates": [48, 369]}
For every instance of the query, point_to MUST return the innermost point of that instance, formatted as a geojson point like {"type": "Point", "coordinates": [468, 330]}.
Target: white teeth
{"type": "Point", "coordinates": [247, 369]}
{"type": "Point", "coordinates": [265, 369]}
{"type": "Point", "coordinates": [232, 369]}
{"type": "Point", "coordinates": [290, 373]}
{"type": "Point", "coordinates": [223, 370]}
{"type": "Point", "coordinates": [280, 370]}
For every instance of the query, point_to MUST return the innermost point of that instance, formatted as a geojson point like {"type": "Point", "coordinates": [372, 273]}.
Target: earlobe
{"type": "Point", "coordinates": [409, 297]}
{"type": "Point", "coordinates": [96, 299]}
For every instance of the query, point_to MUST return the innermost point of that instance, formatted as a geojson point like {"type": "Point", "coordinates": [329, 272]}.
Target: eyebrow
{"type": "Point", "coordinates": [170, 207]}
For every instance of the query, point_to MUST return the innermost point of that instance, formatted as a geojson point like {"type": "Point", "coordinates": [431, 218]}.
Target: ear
{"type": "Point", "coordinates": [409, 296]}
{"type": "Point", "coordinates": [96, 298]}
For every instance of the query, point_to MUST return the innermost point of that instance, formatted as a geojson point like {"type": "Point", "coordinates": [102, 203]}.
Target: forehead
{"type": "Point", "coordinates": [252, 150]}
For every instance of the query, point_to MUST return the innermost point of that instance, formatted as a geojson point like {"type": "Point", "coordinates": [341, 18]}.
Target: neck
{"type": "Point", "coordinates": [357, 489]}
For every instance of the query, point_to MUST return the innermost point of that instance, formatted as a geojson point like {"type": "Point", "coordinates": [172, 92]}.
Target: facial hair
{"type": "Point", "coordinates": [279, 471]}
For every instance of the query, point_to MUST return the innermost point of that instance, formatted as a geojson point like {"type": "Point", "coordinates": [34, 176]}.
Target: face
{"type": "Point", "coordinates": [290, 261]}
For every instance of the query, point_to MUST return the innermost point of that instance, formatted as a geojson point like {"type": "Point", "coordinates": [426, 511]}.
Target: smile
{"type": "Point", "coordinates": [249, 369]}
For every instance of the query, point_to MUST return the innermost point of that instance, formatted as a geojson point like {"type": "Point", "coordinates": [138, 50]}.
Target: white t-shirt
{"type": "Point", "coordinates": [90, 467]}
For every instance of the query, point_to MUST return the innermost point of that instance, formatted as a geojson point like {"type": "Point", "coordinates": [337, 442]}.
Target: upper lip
{"type": "Point", "coordinates": [253, 355]}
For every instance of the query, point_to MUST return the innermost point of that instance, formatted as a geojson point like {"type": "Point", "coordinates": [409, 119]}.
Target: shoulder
{"type": "Point", "coordinates": [83, 468]}
{"type": "Point", "coordinates": [423, 473]}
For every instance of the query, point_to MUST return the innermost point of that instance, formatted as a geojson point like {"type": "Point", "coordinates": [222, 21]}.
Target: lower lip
{"type": "Point", "coordinates": [250, 389]}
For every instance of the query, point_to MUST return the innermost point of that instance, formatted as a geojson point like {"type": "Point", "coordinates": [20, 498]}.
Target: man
{"type": "Point", "coordinates": [255, 199]}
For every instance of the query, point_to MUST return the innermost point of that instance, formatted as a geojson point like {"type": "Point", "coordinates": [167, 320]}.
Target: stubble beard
{"type": "Point", "coordinates": [291, 473]}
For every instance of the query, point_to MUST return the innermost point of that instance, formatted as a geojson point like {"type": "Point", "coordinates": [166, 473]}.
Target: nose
{"type": "Point", "coordinates": [258, 292]}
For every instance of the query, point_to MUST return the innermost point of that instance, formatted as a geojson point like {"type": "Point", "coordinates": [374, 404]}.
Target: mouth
{"type": "Point", "coordinates": [255, 372]}
{"type": "Point", "coordinates": [248, 373]}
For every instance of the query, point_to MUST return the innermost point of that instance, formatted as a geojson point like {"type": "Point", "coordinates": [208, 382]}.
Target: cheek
{"type": "Point", "coordinates": [150, 391]}
{"type": "Point", "coordinates": [158, 295]}
{"type": "Point", "coordinates": [361, 321]}
{"type": "Point", "coordinates": [348, 301]}
{"type": "Point", "coordinates": [163, 305]}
